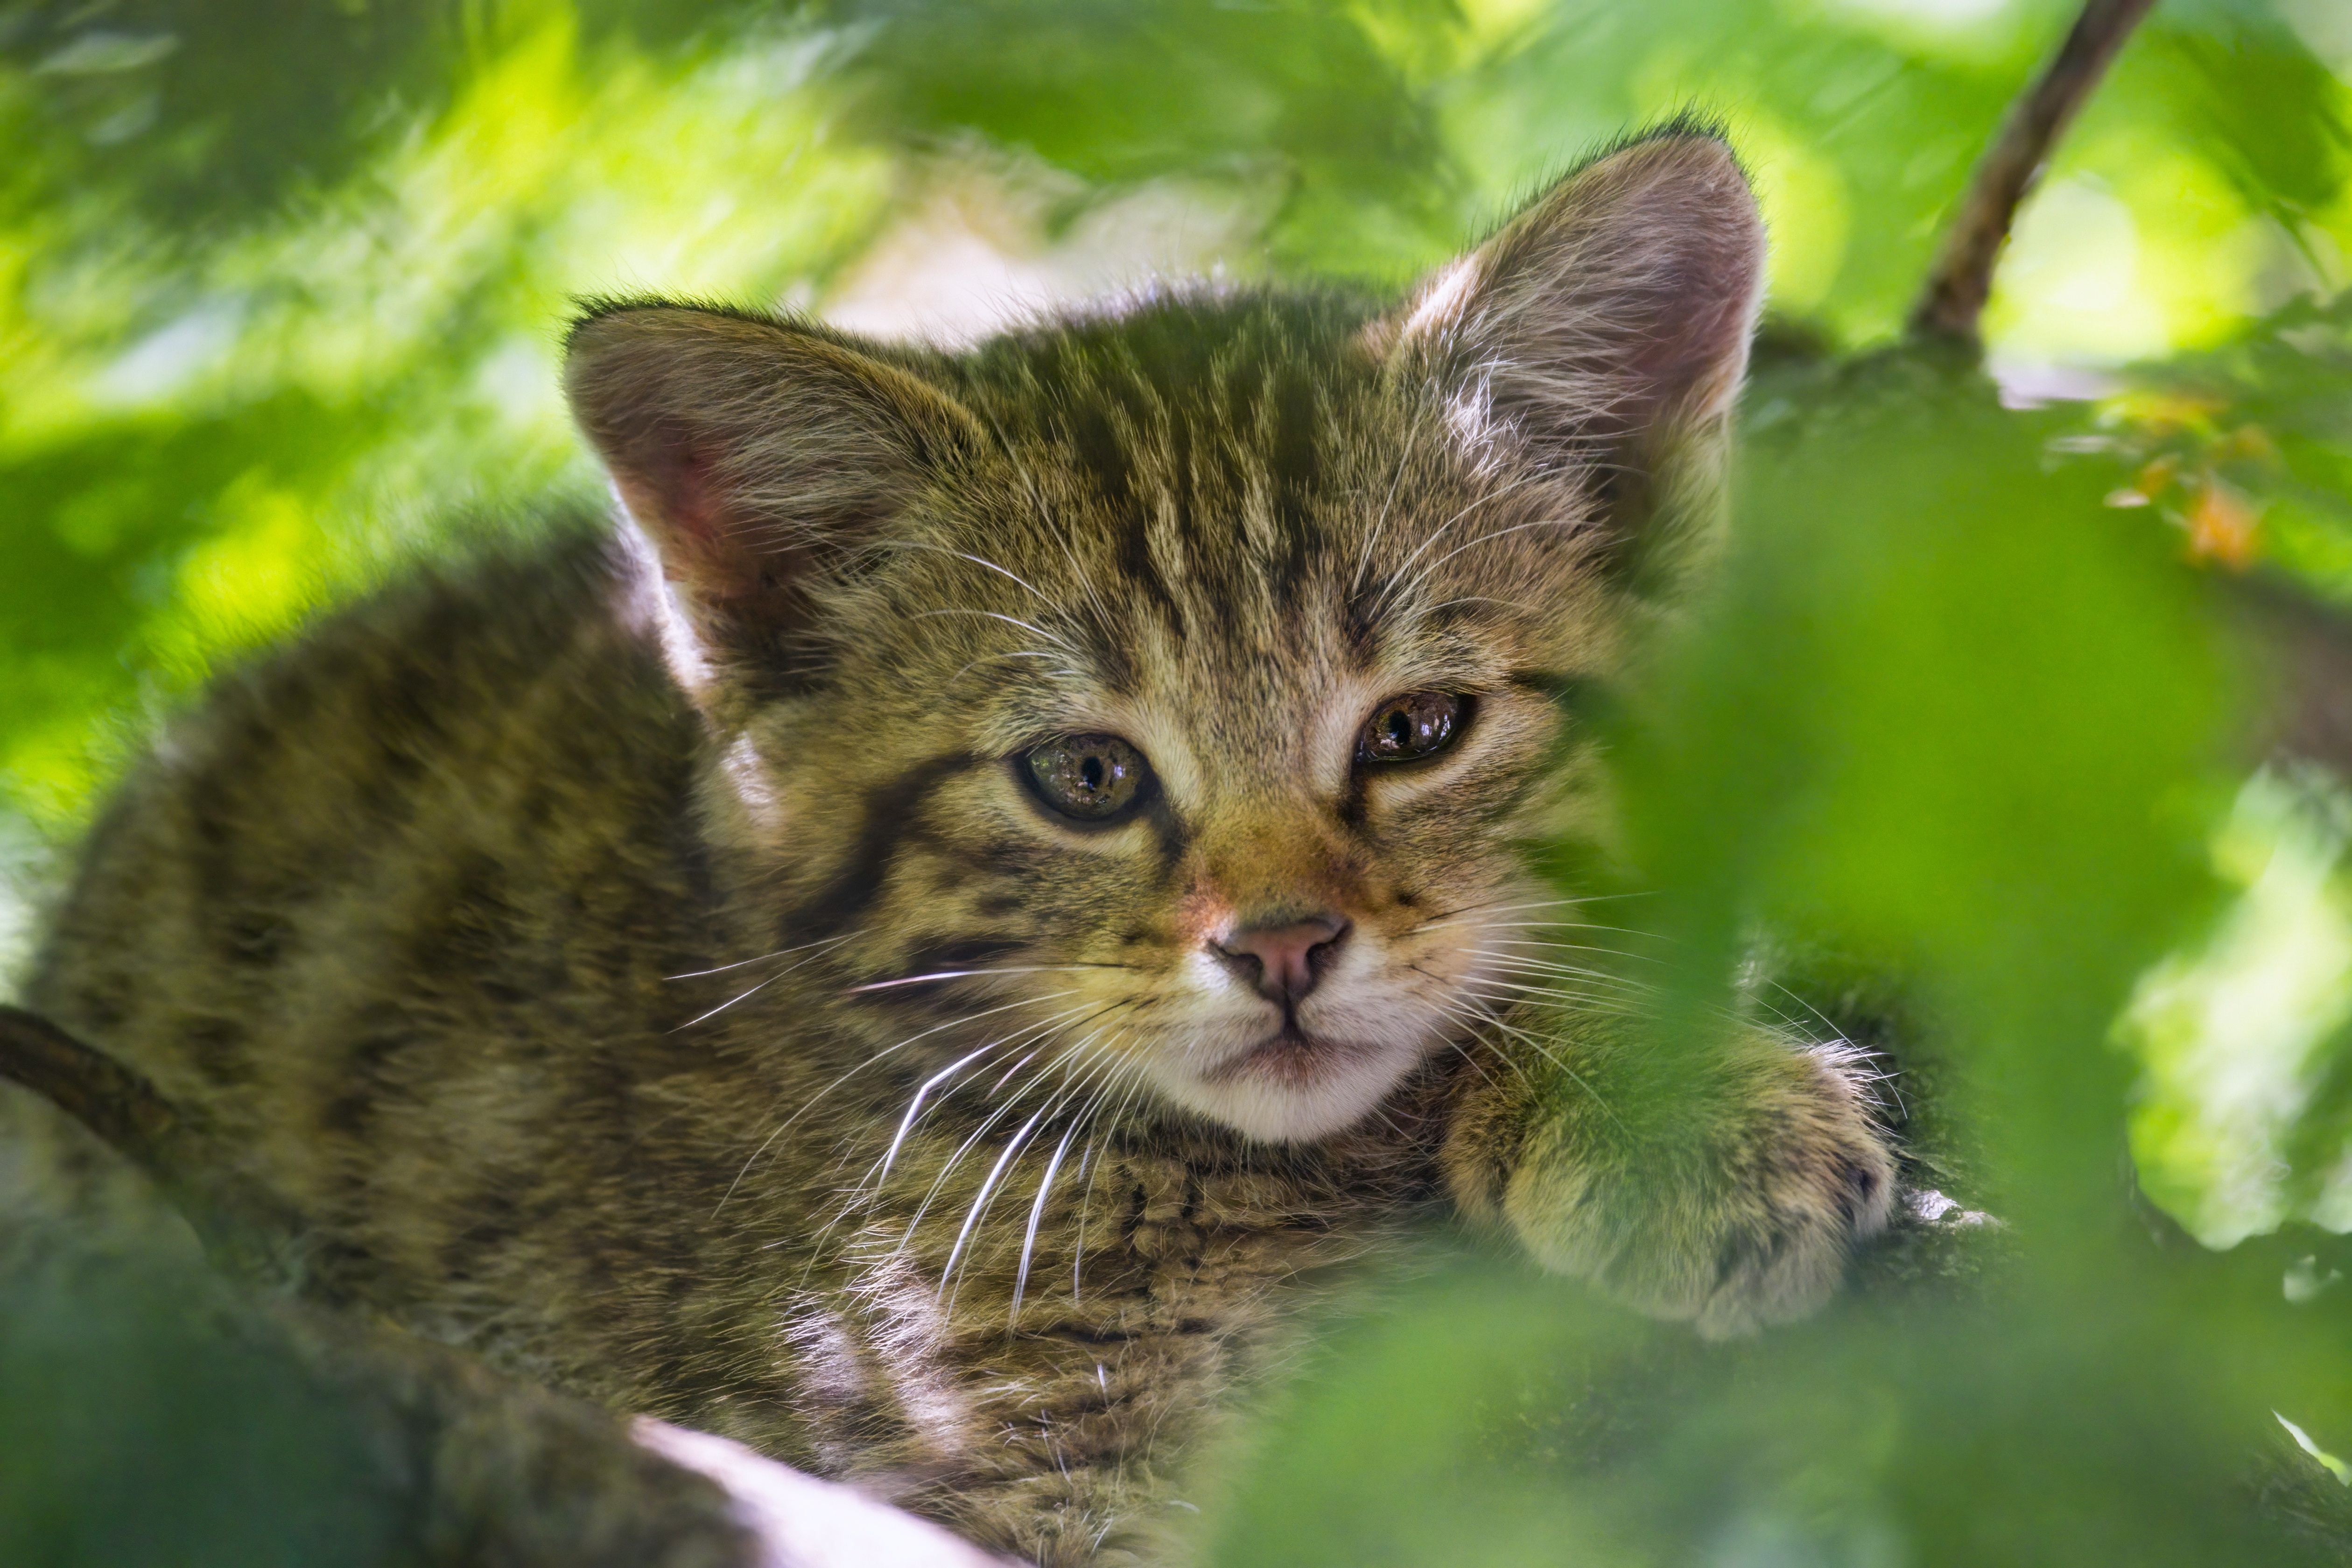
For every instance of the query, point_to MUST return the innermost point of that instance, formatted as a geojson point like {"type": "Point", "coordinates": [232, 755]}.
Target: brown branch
{"type": "Point", "coordinates": [93, 1089]}
{"type": "Point", "coordinates": [1962, 279]}
{"type": "Point", "coordinates": [484, 1469]}
{"type": "Point", "coordinates": [2301, 653]}
{"type": "Point", "coordinates": [247, 1232]}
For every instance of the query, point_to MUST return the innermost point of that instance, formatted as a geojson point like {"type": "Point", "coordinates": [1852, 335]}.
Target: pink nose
{"type": "Point", "coordinates": [1282, 962]}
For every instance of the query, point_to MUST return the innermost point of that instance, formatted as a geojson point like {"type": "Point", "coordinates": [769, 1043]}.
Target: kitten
{"type": "Point", "coordinates": [931, 948]}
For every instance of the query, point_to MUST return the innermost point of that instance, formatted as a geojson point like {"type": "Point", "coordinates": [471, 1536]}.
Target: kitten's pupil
{"type": "Point", "coordinates": [1407, 728]}
{"type": "Point", "coordinates": [1093, 772]}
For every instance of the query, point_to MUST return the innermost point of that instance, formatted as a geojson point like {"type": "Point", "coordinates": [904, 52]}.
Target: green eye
{"type": "Point", "coordinates": [1090, 778]}
{"type": "Point", "coordinates": [1411, 726]}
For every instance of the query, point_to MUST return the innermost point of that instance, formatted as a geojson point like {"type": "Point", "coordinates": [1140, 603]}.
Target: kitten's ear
{"type": "Point", "coordinates": [752, 454]}
{"type": "Point", "coordinates": [1606, 327]}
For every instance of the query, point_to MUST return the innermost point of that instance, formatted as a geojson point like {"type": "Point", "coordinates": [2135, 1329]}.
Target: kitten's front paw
{"type": "Point", "coordinates": [1744, 1213]}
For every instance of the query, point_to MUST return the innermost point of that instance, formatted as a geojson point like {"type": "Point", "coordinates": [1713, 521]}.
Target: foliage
{"type": "Point", "coordinates": [1955, 724]}
{"type": "Point", "coordinates": [1979, 753]}
{"type": "Point", "coordinates": [262, 309]}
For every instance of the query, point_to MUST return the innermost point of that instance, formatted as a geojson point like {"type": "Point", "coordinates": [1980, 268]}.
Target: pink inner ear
{"type": "Point", "coordinates": [681, 499]}
{"type": "Point", "coordinates": [692, 497]}
{"type": "Point", "coordinates": [1695, 356]}
{"type": "Point", "coordinates": [1618, 304]}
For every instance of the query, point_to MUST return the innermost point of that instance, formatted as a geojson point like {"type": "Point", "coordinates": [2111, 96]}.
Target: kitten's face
{"type": "Point", "coordinates": [1154, 708]}
{"type": "Point", "coordinates": [1209, 734]}
{"type": "Point", "coordinates": [1207, 739]}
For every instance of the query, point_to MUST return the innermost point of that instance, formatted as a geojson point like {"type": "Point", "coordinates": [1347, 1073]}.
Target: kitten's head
{"type": "Point", "coordinates": [1164, 696]}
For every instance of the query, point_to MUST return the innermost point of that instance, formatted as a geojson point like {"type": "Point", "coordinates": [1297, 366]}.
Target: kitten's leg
{"type": "Point", "coordinates": [1726, 1184]}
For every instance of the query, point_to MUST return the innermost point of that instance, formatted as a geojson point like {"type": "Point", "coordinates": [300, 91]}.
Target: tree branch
{"type": "Point", "coordinates": [1956, 289]}
{"type": "Point", "coordinates": [245, 1230]}
{"type": "Point", "coordinates": [479, 1466]}
{"type": "Point", "coordinates": [2302, 655]}
{"type": "Point", "coordinates": [96, 1090]}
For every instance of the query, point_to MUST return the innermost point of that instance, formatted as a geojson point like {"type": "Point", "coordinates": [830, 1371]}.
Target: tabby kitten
{"type": "Point", "coordinates": [930, 948]}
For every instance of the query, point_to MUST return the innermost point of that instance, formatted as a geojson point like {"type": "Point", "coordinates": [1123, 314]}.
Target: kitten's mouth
{"type": "Point", "coordinates": [1296, 1083]}
{"type": "Point", "coordinates": [1289, 1056]}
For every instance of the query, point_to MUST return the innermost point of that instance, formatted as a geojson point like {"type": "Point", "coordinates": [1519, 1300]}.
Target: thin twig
{"type": "Point", "coordinates": [96, 1090]}
{"type": "Point", "coordinates": [246, 1230]}
{"type": "Point", "coordinates": [1955, 294]}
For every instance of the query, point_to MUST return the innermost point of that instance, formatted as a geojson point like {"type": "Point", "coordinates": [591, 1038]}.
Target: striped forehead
{"type": "Point", "coordinates": [1204, 449]}
{"type": "Point", "coordinates": [1187, 546]}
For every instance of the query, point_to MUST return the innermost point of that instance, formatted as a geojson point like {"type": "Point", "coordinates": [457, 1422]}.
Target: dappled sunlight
{"type": "Point", "coordinates": [2231, 1037]}
{"type": "Point", "coordinates": [409, 321]}
{"type": "Point", "coordinates": [369, 342]}
{"type": "Point", "coordinates": [2070, 283]}
{"type": "Point", "coordinates": [973, 253]}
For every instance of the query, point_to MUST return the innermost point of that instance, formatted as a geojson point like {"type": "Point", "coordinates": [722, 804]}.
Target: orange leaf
{"type": "Point", "coordinates": [2222, 525]}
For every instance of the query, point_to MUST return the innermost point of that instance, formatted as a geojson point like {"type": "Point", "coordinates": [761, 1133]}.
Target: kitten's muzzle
{"type": "Point", "coordinates": [1283, 962]}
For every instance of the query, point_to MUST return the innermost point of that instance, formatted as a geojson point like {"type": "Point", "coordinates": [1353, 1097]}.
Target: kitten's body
{"type": "Point", "coordinates": [650, 967]}
{"type": "Point", "coordinates": [507, 1131]}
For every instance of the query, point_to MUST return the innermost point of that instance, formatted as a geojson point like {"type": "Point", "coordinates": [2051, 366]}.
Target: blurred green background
{"type": "Point", "coordinates": [281, 285]}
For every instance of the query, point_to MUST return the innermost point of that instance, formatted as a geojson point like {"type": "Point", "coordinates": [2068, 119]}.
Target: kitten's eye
{"type": "Point", "coordinates": [1091, 777]}
{"type": "Point", "coordinates": [1407, 728]}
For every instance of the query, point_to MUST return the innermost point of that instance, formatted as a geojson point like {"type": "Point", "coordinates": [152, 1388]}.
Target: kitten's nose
{"type": "Point", "coordinates": [1283, 962]}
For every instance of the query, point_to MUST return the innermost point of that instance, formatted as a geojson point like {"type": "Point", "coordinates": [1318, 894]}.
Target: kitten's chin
{"type": "Point", "coordinates": [1292, 1088]}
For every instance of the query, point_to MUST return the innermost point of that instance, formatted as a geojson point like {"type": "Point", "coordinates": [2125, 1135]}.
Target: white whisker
{"type": "Point", "coordinates": [1061, 643]}
{"type": "Point", "coordinates": [1364, 557]}
{"type": "Point", "coordinates": [1095, 1062]}
{"type": "Point", "coordinates": [742, 995]}
{"type": "Point", "coordinates": [810, 1102]}
{"type": "Point", "coordinates": [1037, 1211]}
{"type": "Point", "coordinates": [1604, 1006]}
{"type": "Point", "coordinates": [915, 1106]}
{"type": "Point", "coordinates": [1489, 1020]}
{"type": "Point", "coordinates": [992, 658]}
{"type": "Point", "coordinates": [980, 1200]}
{"type": "Point", "coordinates": [1015, 1068]}
{"type": "Point", "coordinates": [967, 973]}
{"type": "Point", "coordinates": [880, 1171]}
{"type": "Point", "coordinates": [956, 1159]}
{"type": "Point", "coordinates": [1004, 571]}
{"type": "Point", "coordinates": [780, 952]}
{"type": "Point", "coordinates": [1086, 1205]}
{"type": "Point", "coordinates": [1423, 575]}
{"type": "Point", "coordinates": [1523, 963]}
{"type": "Point", "coordinates": [1390, 588]}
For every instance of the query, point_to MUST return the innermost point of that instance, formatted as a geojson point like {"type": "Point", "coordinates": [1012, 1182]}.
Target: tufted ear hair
{"type": "Point", "coordinates": [1603, 331]}
{"type": "Point", "coordinates": [752, 455]}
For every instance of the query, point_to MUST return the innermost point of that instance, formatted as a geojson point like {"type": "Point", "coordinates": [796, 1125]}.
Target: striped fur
{"type": "Point", "coordinates": [639, 958]}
